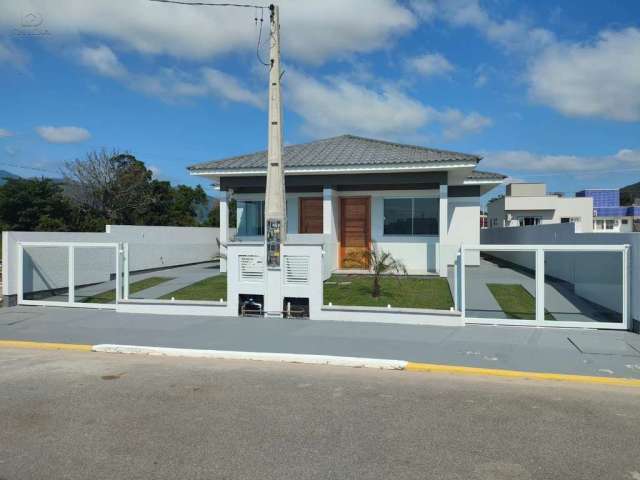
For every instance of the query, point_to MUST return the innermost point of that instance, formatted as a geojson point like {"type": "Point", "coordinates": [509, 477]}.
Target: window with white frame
{"type": "Point", "coordinates": [529, 221]}
{"type": "Point", "coordinates": [606, 224]}
{"type": "Point", "coordinates": [570, 220]}
{"type": "Point", "coordinates": [250, 217]}
{"type": "Point", "coordinates": [411, 216]}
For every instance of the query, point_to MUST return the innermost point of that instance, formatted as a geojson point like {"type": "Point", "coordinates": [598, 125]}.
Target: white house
{"type": "Point", "coordinates": [528, 204]}
{"type": "Point", "coordinates": [418, 203]}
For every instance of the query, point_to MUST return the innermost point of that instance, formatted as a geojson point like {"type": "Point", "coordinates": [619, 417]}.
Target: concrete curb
{"type": "Point", "coordinates": [260, 356]}
{"type": "Point", "coordinates": [356, 362]}
{"type": "Point", "coordinates": [519, 374]}
{"type": "Point", "coordinates": [44, 345]}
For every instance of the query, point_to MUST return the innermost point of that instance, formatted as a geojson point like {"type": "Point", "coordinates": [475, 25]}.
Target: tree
{"type": "Point", "coordinates": [214, 215]}
{"type": "Point", "coordinates": [35, 204]}
{"type": "Point", "coordinates": [114, 185]}
{"type": "Point", "coordinates": [380, 262]}
{"type": "Point", "coordinates": [185, 201]}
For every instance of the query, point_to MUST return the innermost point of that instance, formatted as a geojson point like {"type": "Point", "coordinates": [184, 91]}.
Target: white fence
{"type": "Point", "coordinates": [565, 234]}
{"type": "Point", "coordinates": [149, 248]}
{"type": "Point", "coordinates": [547, 285]}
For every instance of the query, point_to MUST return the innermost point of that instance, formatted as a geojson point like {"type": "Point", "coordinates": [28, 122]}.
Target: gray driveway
{"type": "Point", "coordinates": [560, 299]}
{"type": "Point", "coordinates": [180, 277]}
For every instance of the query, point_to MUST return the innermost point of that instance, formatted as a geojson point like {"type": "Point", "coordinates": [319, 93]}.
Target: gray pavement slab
{"type": "Point", "coordinates": [513, 348]}
{"type": "Point", "coordinates": [603, 346]}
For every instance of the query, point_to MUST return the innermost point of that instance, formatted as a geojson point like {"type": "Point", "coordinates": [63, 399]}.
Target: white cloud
{"type": "Point", "coordinates": [102, 60]}
{"type": "Point", "coordinates": [430, 64]}
{"type": "Point", "coordinates": [167, 83]}
{"type": "Point", "coordinates": [337, 105]}
{"type": "Point", "coordinates": [312, 31]}
{"type": "Point", "coordinates": [521, 160]}
{"type": "Point", "coordinates": [510, 34]}
{"type": "Point", "coordinates": [4, 133]}
{"type": "Point", "coordinates": [457, 124]}
{"type": "Point", "coordinates": [229, 88]}
{"type": "Point", "coordinates": [599, 79]}
{"type": "Point", "coordinates": [63, 134]}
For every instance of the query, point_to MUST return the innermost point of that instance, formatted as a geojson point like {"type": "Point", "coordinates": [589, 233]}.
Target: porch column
{"type": "Point", "coordinates": [223, 233]}
{"type": "Point", "coordinates": [443, 229]}
{"type": "Point", "coordinates": [330, 225]}
{"type": "Point", "coordinates": [328, 218]}
{"type": "Point", "coordinates": [443, 221]}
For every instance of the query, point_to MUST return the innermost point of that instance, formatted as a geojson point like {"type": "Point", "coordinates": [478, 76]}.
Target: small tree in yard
{"type": "Point", "coordinates": [380, 263]}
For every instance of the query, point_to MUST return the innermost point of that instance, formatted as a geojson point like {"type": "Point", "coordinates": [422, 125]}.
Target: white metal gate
{"type": "Point", "coordinates": [70, 274]}
{"type": "Point", "coordinates": [583, 286]}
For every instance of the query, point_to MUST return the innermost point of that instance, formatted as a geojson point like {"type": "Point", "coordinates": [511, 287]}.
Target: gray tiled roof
{"type": "Point", "coordinates": [345, 150]}
{"type": "Point", "coordinates": [480, 175]}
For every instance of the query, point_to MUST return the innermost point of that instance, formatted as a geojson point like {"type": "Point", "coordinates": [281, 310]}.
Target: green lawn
{"type": "Point", "coordinates": [212, 289]}
{"type": "Point", "coordinates": [516, 301]}
{"type": "Point", "coordinates": [110, 295]}
{"type": "Point", "coordinates": [407, 292]}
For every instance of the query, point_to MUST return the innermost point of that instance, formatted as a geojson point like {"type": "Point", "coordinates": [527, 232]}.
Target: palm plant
{"type": "Point", "coordinates": [380, 263]}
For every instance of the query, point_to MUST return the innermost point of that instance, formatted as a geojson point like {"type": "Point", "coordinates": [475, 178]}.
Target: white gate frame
{"type": "Point", "coordinates": [539, 251]}
{"type": "Point", "coordinates": [70, 246]}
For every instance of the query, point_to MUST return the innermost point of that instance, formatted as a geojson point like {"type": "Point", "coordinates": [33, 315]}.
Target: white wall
{"type": "Point", "coordinates": [550, 208]}
{"type": "Point", "coordinates": [149, 247]}
{"type": "Point", "coordinates": [593, 274]}
{"type": "Point", "coordinates": [419, 253]}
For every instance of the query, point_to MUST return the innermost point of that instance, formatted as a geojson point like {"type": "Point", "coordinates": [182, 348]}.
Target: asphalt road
{"type": "Point", "coordinates": [76, 415]}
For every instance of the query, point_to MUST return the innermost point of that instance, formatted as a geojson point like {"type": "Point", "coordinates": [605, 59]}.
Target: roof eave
{"type": "Point", "coordinates": [351, 169]}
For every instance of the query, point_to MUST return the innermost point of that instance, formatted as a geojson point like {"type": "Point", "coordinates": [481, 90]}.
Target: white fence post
{"type": "Point", "coordinates": [71, 280]}
{"type": "Point", "coordinates": [539, 276]}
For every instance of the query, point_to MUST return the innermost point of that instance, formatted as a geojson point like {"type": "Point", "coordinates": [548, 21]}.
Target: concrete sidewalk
{"type": "Point", "coordinates": [581, 352]}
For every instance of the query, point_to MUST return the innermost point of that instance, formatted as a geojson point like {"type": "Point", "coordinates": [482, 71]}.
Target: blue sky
{"type": "Point", "coordinates": [545, 91]}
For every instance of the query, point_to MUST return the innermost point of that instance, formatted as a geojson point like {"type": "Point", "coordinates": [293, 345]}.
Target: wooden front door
{"type": "Point", "coordinates": [355, 232]}
{"type": "Point", "coordinates": [310, 220]}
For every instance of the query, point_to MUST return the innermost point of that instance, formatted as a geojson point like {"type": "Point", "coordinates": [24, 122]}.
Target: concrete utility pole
{"type": "Point", "coordinates": [275, 206]}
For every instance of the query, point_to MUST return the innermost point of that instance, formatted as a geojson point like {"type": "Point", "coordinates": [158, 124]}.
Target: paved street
{"type": "Point", "coordinates": [80, 415]}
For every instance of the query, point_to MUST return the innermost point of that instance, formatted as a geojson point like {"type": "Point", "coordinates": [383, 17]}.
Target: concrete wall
{"type": "Point", "coordinates": [149, 248]}
{"type": "Point", "coordinates": [526, 189]}
{"type": "Point", "coordinates": [550, 209]}
{"type": "Point", "coordinates": [594, 274]}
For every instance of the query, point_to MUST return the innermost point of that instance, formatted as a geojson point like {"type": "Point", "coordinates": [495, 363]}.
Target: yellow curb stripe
{"type": "Point", "coordinates": [453, 369]}
{"type": "Point", "coordinates": [44, 345]}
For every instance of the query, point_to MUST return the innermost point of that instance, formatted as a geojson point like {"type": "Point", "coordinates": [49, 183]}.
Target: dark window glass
{"type": "Point", "coordinates": [397, 216]}
{"type": "Point", "coordinates": [425, 216]}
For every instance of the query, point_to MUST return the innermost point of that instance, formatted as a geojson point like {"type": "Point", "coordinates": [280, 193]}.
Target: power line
{"type": "Point", "coordinates": [13, 165]}
{"type": "Point", "coordinates": [206, 4]}
{"type": "Point", "coordinates": [262, 8]}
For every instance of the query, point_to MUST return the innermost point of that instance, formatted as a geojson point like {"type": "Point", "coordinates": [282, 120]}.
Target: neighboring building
{"type": "Point", "coordinates": [608, 214]}
{"type": "Point", "coordinates": [484, 220]}
{"type": "Point", "coordinates": [356, 192]}
{"type": "Point", "coordinates": [527, 204]}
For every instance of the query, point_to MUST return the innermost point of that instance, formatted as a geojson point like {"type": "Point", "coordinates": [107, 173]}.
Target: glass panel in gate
{"type": "Point", "coordinates": [585, 286]}
{"type": "Point", "coordinates": [500, 285]}
{"type": "Point", "coordinates": [94, 275]}
{"type": "Point", "coordinates": [45, 274]}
